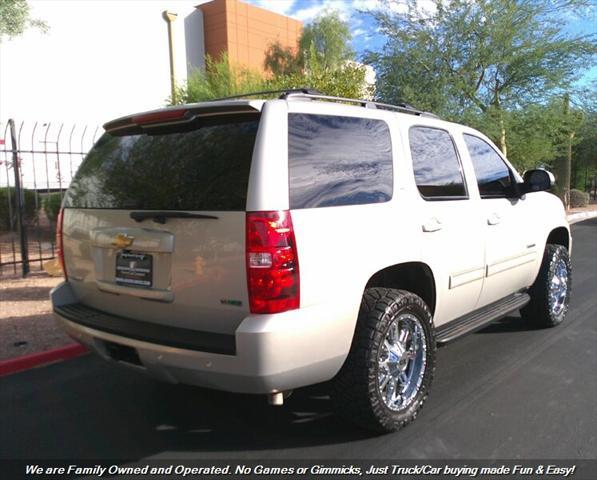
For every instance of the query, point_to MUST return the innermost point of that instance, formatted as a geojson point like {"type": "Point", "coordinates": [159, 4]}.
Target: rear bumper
{"type": "Point", "coordinates": [269, 352]}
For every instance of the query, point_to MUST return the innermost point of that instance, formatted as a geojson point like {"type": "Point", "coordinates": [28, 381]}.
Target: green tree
{"type": "Point", "coordinates": [51, 205]}
{"type": "Point", "coordinates": [325, 64]}
{"type": "Point", "coordinates": [584, 149]}
{"type": "Point", "coordinates": [572, 119]}
{"type": "Point", "coordinates": [220, 79]}
{"type": "Point", "coordinates": [480, 56]}
{"type": "Point", "coordinates": [15, 18]}
{"type": "Point", "coordinates": [8, 216]}
{"type": "Point", "coordinates": [346, 81]}
{"type": "Point", "coordinates": [324, 61]}
{"type": "Point", "coordinates": [324, 44]}
{"type": "Point", "coordinates": [584, 165]}
{"type": "Point", "coordinates": [538, 134]}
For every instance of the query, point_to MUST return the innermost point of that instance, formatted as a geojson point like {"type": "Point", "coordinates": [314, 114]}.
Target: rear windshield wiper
{"type": "Point", "coordinates": [160, 217]}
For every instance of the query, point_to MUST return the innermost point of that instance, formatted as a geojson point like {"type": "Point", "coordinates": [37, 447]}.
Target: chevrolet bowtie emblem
{"type": "Point", "coordinates": [123, 240]}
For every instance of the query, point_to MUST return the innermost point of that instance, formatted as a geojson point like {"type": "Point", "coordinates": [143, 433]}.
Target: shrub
{"type": "Point", "coordinates": [578, 198]}
{"type": "Point", "coordinates": [51, 206]}
{"type": "Point", "coordinates": [30, 211]}
{"type": "Point", "coordinates": [220, 79]}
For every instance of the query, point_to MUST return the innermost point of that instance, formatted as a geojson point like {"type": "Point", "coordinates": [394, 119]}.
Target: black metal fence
{"type": "Point", "coordinates": [37, 163]}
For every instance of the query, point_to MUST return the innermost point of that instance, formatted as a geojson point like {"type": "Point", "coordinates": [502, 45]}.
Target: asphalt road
{"type": "Point", "coordinates": [506, 392]}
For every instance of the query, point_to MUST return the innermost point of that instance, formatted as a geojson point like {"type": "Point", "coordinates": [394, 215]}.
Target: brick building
{"type": "Point", "coordinates": [245, 31]}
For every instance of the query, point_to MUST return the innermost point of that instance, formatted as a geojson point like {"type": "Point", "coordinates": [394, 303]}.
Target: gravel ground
{"type": "Point", "coordinates": [26, 322]}
{"type": "Point", "coordinates": [589, 208]}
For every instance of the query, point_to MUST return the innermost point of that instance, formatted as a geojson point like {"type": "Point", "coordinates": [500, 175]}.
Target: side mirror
{"type": "Point", "coordinates": [537, 180]}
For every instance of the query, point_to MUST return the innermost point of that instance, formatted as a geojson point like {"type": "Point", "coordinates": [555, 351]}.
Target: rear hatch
{"type": "Point", "coordinates": [154, 220]}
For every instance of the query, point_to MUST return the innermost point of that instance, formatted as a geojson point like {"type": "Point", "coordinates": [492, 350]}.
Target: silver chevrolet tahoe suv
{"type": "Point", "coordinates": [260, 246]}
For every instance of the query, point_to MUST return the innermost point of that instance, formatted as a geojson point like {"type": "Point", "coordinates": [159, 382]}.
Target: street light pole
{"type": "Point", "coordinates": [169, 17]}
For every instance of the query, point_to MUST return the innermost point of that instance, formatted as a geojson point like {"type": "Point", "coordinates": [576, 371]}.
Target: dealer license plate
{"type": "Point", "coordinates": [134, 269]}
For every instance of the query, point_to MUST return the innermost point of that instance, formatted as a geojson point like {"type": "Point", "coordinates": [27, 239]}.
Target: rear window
{"type": "Point", "coordinates": [335, 161]}
{"type": "Point", "coordinates": [206, 168]}
{"type": "Point", "coordinates": [436, 165]}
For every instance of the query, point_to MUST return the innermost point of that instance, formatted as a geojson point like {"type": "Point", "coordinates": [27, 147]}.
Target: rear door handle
{"type": "Point", "coordinates": [432, 225]}
{"type": "Point", "coordinates": [493, 219]}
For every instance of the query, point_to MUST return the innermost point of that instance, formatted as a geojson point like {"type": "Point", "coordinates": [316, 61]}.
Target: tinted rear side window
{"type": "Point", "coordinates": [493, 175]}
{"type": "Point", "coordinates": [438, 173]}
{"type": "Point", "coordinates": [335, 161]}
{"type": "Point", "coordinates": [206, 168]}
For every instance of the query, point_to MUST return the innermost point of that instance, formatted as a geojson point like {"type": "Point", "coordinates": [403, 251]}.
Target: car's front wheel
{"type": "Point", "coordinates": [386, 377]}
{"type": "Point", "coordinates": [550, 294]}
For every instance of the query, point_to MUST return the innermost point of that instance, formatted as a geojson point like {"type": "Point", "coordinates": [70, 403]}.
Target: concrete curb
{"type": "Point", "coordinates": [25, 362]}
{"type": "Point", "coordinates": [580, 216]}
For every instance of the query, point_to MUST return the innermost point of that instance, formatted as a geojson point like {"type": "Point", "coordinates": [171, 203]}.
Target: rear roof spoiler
{"type": "Point", "coordinates": [180, 114]}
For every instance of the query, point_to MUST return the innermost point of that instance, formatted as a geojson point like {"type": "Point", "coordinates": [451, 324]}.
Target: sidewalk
{"type": "Point", "coordinates": [26, 323]}
{"type": "Point", "coordinates": [580, 214]}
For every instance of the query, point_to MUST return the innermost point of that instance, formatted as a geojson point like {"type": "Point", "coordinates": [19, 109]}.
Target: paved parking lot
{"type": "Point", "coordinates": [508, 391]}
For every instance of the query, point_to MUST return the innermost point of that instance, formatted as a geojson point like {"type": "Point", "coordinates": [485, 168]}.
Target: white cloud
{"type": "Point", "coordinates": [358, 32]}
{"type": "Point", "coordinates": [343, 8]}
{"type": "Point", "coordinates": [310, 13]}
{"type": "Point", "coordinates": [347, 9]}
{"type": "Point", "coordinates": [367, 4]}
{"type": "Point", "coordinates": [309, 10]}
{"type": "Point", "coordinates": [283, 7]}
{"type": "Point", "coordinates": [397, 6]}
{"type": "Point", "coordinates": [427, 7]}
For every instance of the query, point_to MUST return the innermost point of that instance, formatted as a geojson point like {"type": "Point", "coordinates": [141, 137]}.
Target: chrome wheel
{"type": "Point", "coordinates": [401, 362]}
{"type": "Point", "coordinates": [558, 288]}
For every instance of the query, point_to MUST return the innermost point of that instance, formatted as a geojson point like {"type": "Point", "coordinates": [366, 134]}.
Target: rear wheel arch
{"type": "Point", "coordinates": [415, 277]}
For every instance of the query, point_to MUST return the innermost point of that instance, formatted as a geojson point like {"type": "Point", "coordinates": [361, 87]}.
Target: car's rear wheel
{"type": "Point", "coordinates": [386, 377]}
{"type": "Point", "coordinates": [550, 294]}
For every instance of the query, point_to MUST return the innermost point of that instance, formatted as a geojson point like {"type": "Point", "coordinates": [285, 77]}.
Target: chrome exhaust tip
{"type": "Point", "coordinates": [277, 398]}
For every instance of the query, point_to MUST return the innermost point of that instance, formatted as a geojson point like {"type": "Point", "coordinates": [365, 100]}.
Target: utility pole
{"type": "Point", "coordinates": [169, 17]}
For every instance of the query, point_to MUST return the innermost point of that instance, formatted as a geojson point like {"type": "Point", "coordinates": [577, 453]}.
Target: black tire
{"type": "Point", "coordinates": [542, 310]}
{"type": "Point", "coordinates": [355, 390]}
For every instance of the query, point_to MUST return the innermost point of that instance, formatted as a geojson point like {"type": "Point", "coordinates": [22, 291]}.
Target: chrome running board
{"type": "Point", "coordinates": [478, 319]}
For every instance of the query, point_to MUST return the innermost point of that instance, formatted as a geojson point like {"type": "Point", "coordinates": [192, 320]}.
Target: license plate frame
{"type": "Point", "coordinates": [134, 269]}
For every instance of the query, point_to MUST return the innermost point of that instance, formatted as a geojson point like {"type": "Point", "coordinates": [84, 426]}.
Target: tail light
{"type": "Point", "coordinates": [272, 262]}
{"type": "Point", "coordinates": [59, 242]}
{"type": "Point", "coordinates": [161, 116]}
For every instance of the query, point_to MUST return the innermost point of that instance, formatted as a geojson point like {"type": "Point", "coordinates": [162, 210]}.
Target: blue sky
{"type": "Point", "coordinates": [363, 28]}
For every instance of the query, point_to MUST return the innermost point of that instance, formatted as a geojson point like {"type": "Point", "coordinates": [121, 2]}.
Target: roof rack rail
{"type": "Point", "coordinates": [312, 94]}
{"type": "Point", "coordinates": [285, 92]}
{"type": "Point", "coordinates": [401, 107]}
